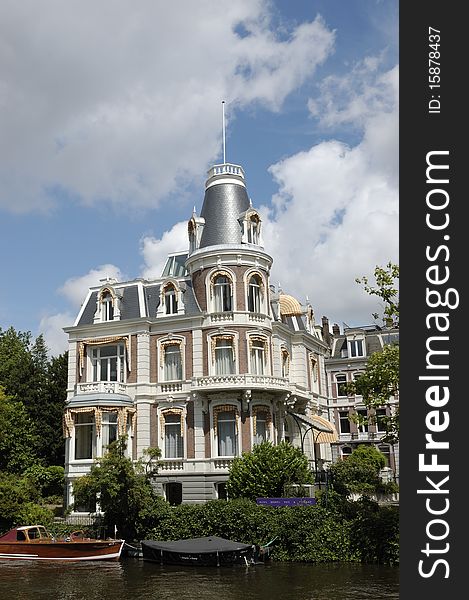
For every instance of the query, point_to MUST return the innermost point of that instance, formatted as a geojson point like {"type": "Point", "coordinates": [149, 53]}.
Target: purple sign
{"type": "Point", "coordinates": [286, 501]}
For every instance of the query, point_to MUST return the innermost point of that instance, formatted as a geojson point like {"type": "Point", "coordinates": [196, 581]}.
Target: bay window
{"type": "Point", "coordinates": [108, 363]}
{"type": "Point", "coordinates": [84, 436]}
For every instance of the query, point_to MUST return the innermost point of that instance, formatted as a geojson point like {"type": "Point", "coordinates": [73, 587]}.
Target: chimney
{"type": "Point", "coordinates": [335, 329]}
{"type": "Point", "coordinates": [326, 334]}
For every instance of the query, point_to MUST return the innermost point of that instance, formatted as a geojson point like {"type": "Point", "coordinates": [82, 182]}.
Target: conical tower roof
{"type": "Point", "coordinates": [225, 200]}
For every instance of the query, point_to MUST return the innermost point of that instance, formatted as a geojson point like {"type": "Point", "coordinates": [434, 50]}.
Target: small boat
{"type": "Point", "coordinates": [209, 551]}
{"type": "Point", "coordinates": [34, 542]}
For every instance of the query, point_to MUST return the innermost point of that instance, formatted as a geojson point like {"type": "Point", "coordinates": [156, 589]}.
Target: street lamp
{"type": "Point", "coordinates": [315, 438]}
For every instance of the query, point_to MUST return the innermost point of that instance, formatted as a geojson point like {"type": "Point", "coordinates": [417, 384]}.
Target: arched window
{"type": "Point", "coordinates": [346, 452]}
{"type": "Point", "coordinates": [107, 306]}
{"type": "Point", "coordinates": [261, 420]}
{"type": "Point", "coordinates": [341, 382]}
{"type": "Point", "coordinates": [173, 441]}
{"type": "Point", "coordinates": [222, 294]}
{"type": "Point", "coordinates": [223, 355]}
{"type": "Point", "coordinates": [170, 299]}
{"type": "Point", "coordinates": [258, 358]}
{"type": "Point", "coordinates": [253, 224]}
{"type": "Point", "coordinates": [192, 236]}
{"type": "Point", "coordinates": [285, 362]}
{"type": "Point", "coordinates": [255, 294]}
{"type": "Point", "coordinates": [171, 360]}
{"type": "Point", "coordinates": [226, 430]}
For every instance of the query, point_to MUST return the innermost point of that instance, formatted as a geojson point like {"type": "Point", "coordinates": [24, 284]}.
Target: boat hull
{"type": "Point", "coordinates": [206, 559]}
{"type": "Point", "coordinates": [62, 551]}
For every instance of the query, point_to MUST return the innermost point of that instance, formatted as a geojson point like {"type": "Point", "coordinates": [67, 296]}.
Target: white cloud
{"type": "Point", "coordinates": [51, 327]}
{"type": "Point", "coordinates": [120, 101]}
{"type": "Point", "coordinates": [155, 251]}
{"type": "Point", "coordinates": [76, 288]}
{"type": "Point", "coordinates": [335, 216]}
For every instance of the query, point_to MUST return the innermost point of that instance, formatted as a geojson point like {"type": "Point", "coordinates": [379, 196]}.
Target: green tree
{"type": "Point", "coordinates": [359, 473]}
{"type": "Point", "coordinates": [17, 436]}
{"type": "Point", "coordinates": [53, 450]}
{"type": "Point", "coordinates": [122, 488]}
{"type": "Point", "coordinates": [379, 385]}
{"type": "Point", "coordinates": [28, 376]}
{"type": "Point", "coordinates": [386, 288]}
{"type": "Point", "coordinates": [267, 471]}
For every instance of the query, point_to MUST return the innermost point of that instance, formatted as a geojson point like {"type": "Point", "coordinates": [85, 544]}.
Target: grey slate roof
{"type": "Point", "coordinates": [152, 300]}
{"type": "Point", "coordinates": [130, 303]}
{"type": "Point", "coordinates": [88, 313]}
{"type": "Point", "coordinates": [190, 303]}
{"type": "Point", "coordinates": [223, 204]}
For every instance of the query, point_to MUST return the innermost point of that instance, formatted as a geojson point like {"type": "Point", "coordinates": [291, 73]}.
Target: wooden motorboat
{"type": "Point", "coordinates": [209, 551]}
{"type": "Point", "coordinates": [34, 542]}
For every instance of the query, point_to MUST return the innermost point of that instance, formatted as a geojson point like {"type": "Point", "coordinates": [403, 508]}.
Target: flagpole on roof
{"type": "Point", "coordinates": [223, 127]}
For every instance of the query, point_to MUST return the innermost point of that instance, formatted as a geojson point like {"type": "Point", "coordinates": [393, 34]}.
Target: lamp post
{"type": "Point", "coordinates": [302, 439]}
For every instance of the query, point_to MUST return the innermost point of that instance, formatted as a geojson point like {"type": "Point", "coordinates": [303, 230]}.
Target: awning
{"type": "Point", "coordinates": [327, 432]}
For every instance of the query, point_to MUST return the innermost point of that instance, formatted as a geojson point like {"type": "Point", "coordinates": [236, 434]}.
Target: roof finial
{"type": "Point", "coordinates": [223, 127]}
{"type": "Point", "coordinates": [194, 212]}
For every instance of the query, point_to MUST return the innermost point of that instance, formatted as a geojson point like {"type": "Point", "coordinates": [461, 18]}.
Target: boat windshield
{"type": "Point", "coordinates": [37, 533]}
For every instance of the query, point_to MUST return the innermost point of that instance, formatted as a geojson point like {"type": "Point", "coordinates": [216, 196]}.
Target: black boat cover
{"type": "Point", "coordinates": [202, 545]}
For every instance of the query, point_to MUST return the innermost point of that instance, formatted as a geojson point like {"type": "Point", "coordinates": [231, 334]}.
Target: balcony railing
{"type": "Point", "coordinates": [171, 464]}
{"type": "Point", "coordinates": [102, 387]}
{"type": "Point", "coordinates": [259, 381]}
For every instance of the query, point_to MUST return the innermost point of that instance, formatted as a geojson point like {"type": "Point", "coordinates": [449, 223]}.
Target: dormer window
{"type": "Point", "coordinates": [170, 299]}
{"type": "Point", "coordinates": [251, 227]}
{"type": "Point", "coordinates": [107, 305]}
{"type": "Point", "coordinates": [192, 236]}
{"type": "Point", "coordinates": [356, 348]}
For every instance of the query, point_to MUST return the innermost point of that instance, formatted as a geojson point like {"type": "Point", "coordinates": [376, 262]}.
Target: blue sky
{"type": "Point", "coordinates": [111, 116]}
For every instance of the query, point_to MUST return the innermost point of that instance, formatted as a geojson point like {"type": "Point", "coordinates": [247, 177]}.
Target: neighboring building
{"type": "Point", "coordinates": [350, 351]}
{"type": "Point", "coordinates": [203, 362]}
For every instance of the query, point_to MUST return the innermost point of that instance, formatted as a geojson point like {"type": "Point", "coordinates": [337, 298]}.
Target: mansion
{"type": "Point", "coordinates": [205, 361]}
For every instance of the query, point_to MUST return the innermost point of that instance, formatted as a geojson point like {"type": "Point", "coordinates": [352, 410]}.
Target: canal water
{"type": "Point", "coordinates": [132, 578]}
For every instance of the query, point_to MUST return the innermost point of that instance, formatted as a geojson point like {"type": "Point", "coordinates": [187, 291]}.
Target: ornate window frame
{"type": "Point", "coordinates": [252, 337]}
{"type": "Point", "coordinates": [210, 289]}
{"type": "Point", "coordinates": [107, 300]}
{"type": "Point", "coordinates": [263, 300]}
{"type": "Point", "coordinates": [257, 408]}
{"type": "Point", "coordinates": [251, 224]}
{"type": "Point", "coordinates": [162, 307]}
{"type": "Point", "coordinates": [216, 408]}
{"type": "Point", "coordinates": [212, 341]}
{"type": "Point", "coordinates": [162, 343]}
{"type": "Point", "coordinates": [162, 412]}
